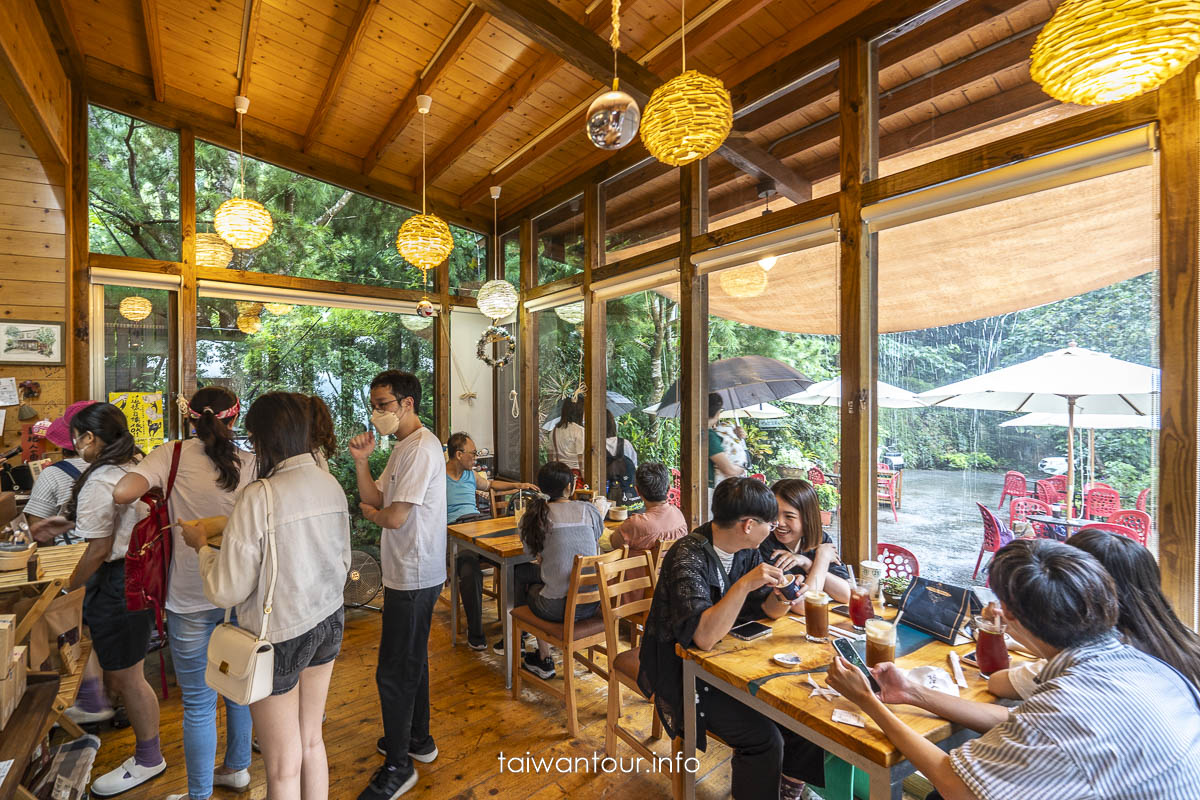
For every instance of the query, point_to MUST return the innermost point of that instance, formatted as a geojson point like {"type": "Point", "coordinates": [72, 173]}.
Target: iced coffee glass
{"type": "Point", "coordinates": [816, 616]}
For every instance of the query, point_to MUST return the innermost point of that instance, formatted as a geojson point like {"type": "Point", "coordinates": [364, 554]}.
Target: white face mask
{"type": "Point", "coordinates": [385, 422]}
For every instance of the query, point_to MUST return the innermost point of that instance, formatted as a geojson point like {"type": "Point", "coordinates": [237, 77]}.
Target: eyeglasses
{"type": "Point", "coordinates": [771, 526]}
{"type": "Point", "coordinates": [383, 405]}
{"type": "Point", "coordinates": [471, 453]}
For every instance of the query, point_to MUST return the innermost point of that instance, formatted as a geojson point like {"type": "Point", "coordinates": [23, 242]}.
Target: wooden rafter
{"type": "Point", "coordinates": [57, 19]}
{"type": "Point", "coordinates": [254, 10]}
{"type": "Point", "coordinates": [754, 160]}
{"type": "Point", "coordinates": [708, 31]}
{"type": "Point", "coordinates": [154, 47]}
{"type": "Point", "coordinates": [468, 25]}
{"type": "Point", "coordinates": [358, 27]}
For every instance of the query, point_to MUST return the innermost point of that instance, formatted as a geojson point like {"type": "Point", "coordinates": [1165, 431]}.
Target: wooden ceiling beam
{"type": "Point", "coordinates": [707, 32]}
{"type": "Point", "coordinates": [464, 31]}
{"type": "Point", "coordinates": [358, 27]}
{"type": "Point", "coordinates": [254, 10]}
{"type": "Point", "coordinates": [154, 47]}
{"type": "Point", "coordinates": [57, 20]}
{"type": "Point", "coordinates": [756, 161]}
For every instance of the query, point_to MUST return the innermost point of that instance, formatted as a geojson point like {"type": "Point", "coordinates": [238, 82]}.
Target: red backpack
{"type": "Point", "coordinates": [148, 561]}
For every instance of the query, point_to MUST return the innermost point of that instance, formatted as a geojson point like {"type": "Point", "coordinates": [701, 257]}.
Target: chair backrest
{"type": "Point", "coordinates": [815, 476]}
{"type": "Point", "coordinates": [995, 533]}
{"type": "Point", "coordinates": [1014, 480]}
{"type": "Point", "coordinates": [1022, 507]}
{"type": "Point", "coordinates": [758, 476]}
{"type": "Point", "coordinates": [887, 484]}
{"type": "Point", "coordinates": [1113, 528]}
{"type": "Point", "coordinates": [883, 466]}
{"type": "Point", "coordinates": [1136, 521]}
{"type": "Point", "coordinates": [499, 504]}
{"type": "Point", "coordinates": [1101, 502]}
{"type": "Point", "coordinates": [1095, 485]}
{"type": "Point", "coordinates": [897, 561]}
{"type": "Point", "coordinates": [615, 580]}
{"type": "Point", "coordinates": [1059, 482]}
{"type": "Point", "coordinates": [1048, 492]}
{"type": "Point", "coordinates": [584, 587]}
{"type": "Point", "coordinates": [1143, 500]}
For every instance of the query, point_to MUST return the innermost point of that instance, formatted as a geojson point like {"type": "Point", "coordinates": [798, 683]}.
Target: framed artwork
{"type": "Point", "coordinates": [32, 343]}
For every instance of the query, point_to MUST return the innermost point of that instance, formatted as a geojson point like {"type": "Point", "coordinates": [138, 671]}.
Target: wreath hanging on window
{"type": "Point", "coordinates": [496, 335]}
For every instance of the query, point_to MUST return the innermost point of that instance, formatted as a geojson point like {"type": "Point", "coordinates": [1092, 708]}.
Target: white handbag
{"type": "Point", "coordinates": [241, 666]}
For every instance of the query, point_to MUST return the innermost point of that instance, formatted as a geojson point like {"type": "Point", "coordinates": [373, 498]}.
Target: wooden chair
{"type": "Point", "coordinates": [573, 638]}
{"type": "Point", "coordinates": [498, 503]}
{"type": "Point", "coordinates": [1014, 486]}
{"type": "Point", "coordinates": [1137, 521]}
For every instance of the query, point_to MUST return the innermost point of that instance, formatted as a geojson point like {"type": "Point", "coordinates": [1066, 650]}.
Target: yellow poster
{"type": "Point", "coordinates": [144, 412]}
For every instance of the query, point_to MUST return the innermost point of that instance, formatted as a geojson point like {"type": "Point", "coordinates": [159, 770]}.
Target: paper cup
{"type": "Point", "coordinates": [870, 573]}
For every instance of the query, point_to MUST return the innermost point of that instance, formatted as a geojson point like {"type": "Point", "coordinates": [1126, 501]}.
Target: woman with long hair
{"type": "Point", "coordinates": [100, 435]}
{"type": "Point", "coordinates": [555, 529]}
{"type": "Point", "coordinates": [566, 438]}
{"type": "Point", "coordinates": [211, 473]}
{"type": "Point", "coordinates": [799, 544]}
{"type": "Point", "coordinates": [311, 526]}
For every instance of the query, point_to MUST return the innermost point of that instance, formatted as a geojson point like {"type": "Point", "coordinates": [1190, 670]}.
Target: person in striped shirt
{"type": "Point", "coordinates": [1106, 722]}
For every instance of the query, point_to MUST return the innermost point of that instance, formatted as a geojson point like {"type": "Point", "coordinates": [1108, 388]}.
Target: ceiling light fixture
{"type": "Point", "coordinates": [244, 223]}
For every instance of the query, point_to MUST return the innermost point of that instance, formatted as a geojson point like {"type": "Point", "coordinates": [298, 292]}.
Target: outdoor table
{"type": "Point", "coordinates": [1061, 526]}
{"type": "Point", "coordinates": [745, 671]}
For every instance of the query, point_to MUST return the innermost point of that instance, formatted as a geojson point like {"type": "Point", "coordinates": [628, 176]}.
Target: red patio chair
{"type": "Point", "coordinates": [995, 535]}
{"type": "Point", "coordinates": [897, 562]}
{"type": "Point", "coordinates": [1136, 521]}
{"type": "Point", "coordinates": [1048, 492]}
{"type": "Point", "coordinates": [1014, 486]}
{"type": "Point", "coordinates": [1113, 528]}
{"type": "Point", "coordinates": [1021, 507]}
{"type": "Point", "coordinates": [675, 493]}
{"type": "Point", "coordinates": [1143, 501]}
{"type": "Point", "coordinates": [815, 476]}
{"type": "Point", "coordinates": [886, 491]}
{"type": "Point", "coordinates": [758, 476]}
{"type": "Point", "coordinates": [1060, 483]}
{"type": "Point", "coordinates": [1101, 503]}
{"type": "Point", "coordinates": [1095, 485]}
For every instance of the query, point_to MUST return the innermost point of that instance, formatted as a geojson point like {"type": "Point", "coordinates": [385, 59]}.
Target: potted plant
{"type": "Point", "coordinates": [829, 499]}
{"type": "Point", "coordinates": [893, 589]}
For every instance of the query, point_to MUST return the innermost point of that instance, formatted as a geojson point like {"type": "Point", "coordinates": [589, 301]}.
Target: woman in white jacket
{"type": "Point", "coordinates": [312, 534]}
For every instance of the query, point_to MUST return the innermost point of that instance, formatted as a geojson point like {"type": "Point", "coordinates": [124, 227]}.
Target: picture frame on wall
{"type": "Point", "coordinates": [32, 343]}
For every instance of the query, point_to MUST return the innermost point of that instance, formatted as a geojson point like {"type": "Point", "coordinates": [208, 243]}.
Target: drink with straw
{"type": "Point", "coordinates": [861, 608]}
{"type": "Point", "coordinates": [991, 652]}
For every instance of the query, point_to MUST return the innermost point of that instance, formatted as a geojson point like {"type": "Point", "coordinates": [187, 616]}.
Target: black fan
{"type": "Point", "coordinates": [364, 581]}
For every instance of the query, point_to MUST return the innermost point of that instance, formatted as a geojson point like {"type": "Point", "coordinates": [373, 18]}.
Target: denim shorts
{"type": "Point", "coordinates": [319, 645]}
{"type": "Point", "coordinates": [120, 637]}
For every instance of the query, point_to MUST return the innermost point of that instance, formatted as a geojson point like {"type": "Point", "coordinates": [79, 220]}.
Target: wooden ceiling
{"type": "Point", "coordinates": [337, 79]}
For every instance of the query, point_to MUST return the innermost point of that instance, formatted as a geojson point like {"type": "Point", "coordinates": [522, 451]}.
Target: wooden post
{"type": "Point", "coordinates": [527, 327]}
{"type": "Point", "coordinates": [441, 355]}
{"type": "Point", "coordinates": [78, 306]}
{"type": "Point", "coordinates": [188, 301]}
{"type": "Point", "coordinates": [858, 304]}
{"type": "Point", "coordinates": [595, 350]}
{"type": "Point", "coordinates": [1178, 341]}
{"type": "Point", "coordinates": [693, 345]}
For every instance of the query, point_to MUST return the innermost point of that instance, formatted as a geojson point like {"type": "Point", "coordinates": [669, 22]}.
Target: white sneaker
{"type": "Point", "coordinates": [125, 777]}
{"type": "Point", "coordinates": [238, 781]}
{"type": "Point", "coordinates": [81, 717]}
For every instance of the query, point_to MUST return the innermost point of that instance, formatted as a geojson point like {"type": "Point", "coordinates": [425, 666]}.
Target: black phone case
{"type": "Point", "coordinates": [846, 650]}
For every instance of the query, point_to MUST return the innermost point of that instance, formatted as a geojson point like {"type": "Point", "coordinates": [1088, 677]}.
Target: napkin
{"type": "Point", "coordinates": [821, 691]}
{"type": "Point", "coordinates": [934, 678]}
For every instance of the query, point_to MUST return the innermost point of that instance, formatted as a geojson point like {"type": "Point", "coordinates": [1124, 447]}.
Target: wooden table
{"type": "Point", "coordinates": [56, 564]}
{"type": "Point", "coordinates": [745, 671]}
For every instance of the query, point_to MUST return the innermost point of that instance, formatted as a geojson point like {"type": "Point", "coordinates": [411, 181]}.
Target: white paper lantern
{"type": "Point", "coordinates": [571, 313]}
{"type": "Point", "coordinates": [497, 299]}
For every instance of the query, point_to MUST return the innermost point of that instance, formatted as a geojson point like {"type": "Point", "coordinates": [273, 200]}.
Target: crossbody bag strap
{"type": "Point", "coordinates": [274, 560]}
{"type": "Point", "coordinates": [174, 469]}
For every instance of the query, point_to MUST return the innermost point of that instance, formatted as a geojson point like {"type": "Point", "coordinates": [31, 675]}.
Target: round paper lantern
{"type": "Point", "coordinates": [414, 323]}
{"type": "Point", "coordinates": [747, 281]}
{"type": "Point", "coordinates": [425, 241]}
{"type": "Point", "coordinates": [687, 118]}
{"type": "Point", "coordinates": [135, 308]}
{"type": "Point", "coordinates": [245, 224]}
{"type": "Point", "coordinates": [212, 251]}
{"type": "Point", "coordinates": [278, 308]}
{"type": "Point", "coordinates": [571, 313]}
{"type": "Point", "coordinates": [612, 120]}
{"type": "Point", "coordinates": [497, 299]}
{"type": "Point", "coordinates": [247, 309]}
{"type": "Point", "coordinates": [249, 323]}
{"type": "Point", "coordinates": [1093, 52]}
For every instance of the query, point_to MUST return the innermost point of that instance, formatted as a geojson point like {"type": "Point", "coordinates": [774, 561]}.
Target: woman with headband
{"type": "Point", "coordinates": [211, 473]}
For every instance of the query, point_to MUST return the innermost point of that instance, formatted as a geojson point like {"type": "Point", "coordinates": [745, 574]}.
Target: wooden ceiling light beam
{"type": "Point", "coordinates": [57, 20]}
{"type": "Point", "coordinates": [358, 27]}
{"type": "Point", "coordinates": [253, 11]}
{"type": "Point", "coordinates": [754, 160]}
{"type": "Point", "coordinates": [464, 31]}
{"type": "Point", "coordinates": [154, 47]}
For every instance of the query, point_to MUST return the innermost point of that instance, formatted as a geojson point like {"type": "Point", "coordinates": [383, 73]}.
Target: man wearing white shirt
{"type": "Point", "coordinates": [409, 502]}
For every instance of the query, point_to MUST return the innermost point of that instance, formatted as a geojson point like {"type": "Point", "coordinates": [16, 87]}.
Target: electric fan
{"type": "Point", "coordinates": [363, 582]}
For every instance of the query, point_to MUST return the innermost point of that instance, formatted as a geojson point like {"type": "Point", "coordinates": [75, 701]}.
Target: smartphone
{"type": "Point", "coordinates": [750, 630]}
{"type": "Point", "coordinates": [969, 659]}
{"type": "Point", "coordinates": [846, 650]}
{"type": "Point", "coordinates": [843, 610]}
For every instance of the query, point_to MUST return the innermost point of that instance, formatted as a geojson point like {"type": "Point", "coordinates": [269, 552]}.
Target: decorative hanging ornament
{"type": "Point", "coordinates": [247, 308]}
{"type": "Point", "coordinates": [491, 337]}
{"type": "Point", "coordinates": [425, 308]}
{"type": "Point", "coordinates": [1093, 52]}
{"type": "Point", "coordinates": [278, 309]}
{"type": "Point", "coordinates": [414, 323]}
{"type": "Point", "coordinates": [244, 223]}
{"type": "Point", "coordinates": [212, 251]}
{"type": "Point", "coordinates": [135, 308]}
{"type": "Point", "coordinates": [424, 239]}
{"type": "Point", "coordinates": [743, 282]}
{"type": "Point", "coordinates": [249, 323]}
{"type": "Point", "coordinates": [689, 116]}
{"type": "Point", "coordinates": [613, 117]}
{"type": "Point", "coordinates": [571, 313]}
{"type": "Point", "coordinates": [497, 300]}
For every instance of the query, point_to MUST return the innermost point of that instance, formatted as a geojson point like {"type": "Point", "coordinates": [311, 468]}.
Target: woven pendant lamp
{"type": "Point", "coordinates": [743, 282]}
{"type": "Point", "coordinates": [424, 239]}
{"type": "Point", "coordinates": [212, 251]}
{"type": "Point", "coordinates": [249, 323]}
{"type": "Point", "coordinates": [571, 313]}
{"type": "Point", "coordinates": [1093, 52]}
{"type": "Point", "coordinates": [135, 308]}
{"type": "Point", "coordinates": [689, 116]}
{"type": "Point", "coordinates": [243, 223]}
{"type": "Point", "coordinates": [278, 309]}
{"type": "Point", "coordinates": [497, 298]}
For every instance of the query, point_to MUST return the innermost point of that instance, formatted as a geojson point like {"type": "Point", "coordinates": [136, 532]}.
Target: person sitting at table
{"type": "Point", "coordinates": [660, 522]}
{"type": "Point", "coordinates": [554, 529]}
{"type": "Point", "coordinates": [799, 544]}
{"type": "Point", "coordinates": [1106, 720]}
{"type": "Point", "coordinates": [566, 438]}
{"type": "Point", "coordinates": [1146, 619]}
{"type": "Point", "coordinates": [462, 482]}
{"type": "Point", "coordinates": [712, 579]}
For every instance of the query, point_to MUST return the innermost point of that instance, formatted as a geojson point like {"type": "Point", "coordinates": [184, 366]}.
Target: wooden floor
{"type": "Point", "coordinates": [474, 719]}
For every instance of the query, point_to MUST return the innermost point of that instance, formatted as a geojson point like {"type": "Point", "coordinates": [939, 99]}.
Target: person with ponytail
{"type": "Point", "coordinates": [555, 529]}
{"type": "Point", "coordinates": [100, 435]}
{"type": "Point", "coordinates": [212, 471]}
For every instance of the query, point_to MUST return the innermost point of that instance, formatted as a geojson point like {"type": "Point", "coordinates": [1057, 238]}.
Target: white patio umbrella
{"type": "Point", "coordinates": [1070, 381]}
{"type": "Point", "coordinates": [758, 411]}
{"type": "Point", "coordinates": [1089, 422]}
{"type": "Point", "coordinates": [829, 393]}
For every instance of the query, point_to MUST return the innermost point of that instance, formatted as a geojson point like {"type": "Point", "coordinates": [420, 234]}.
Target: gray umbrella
{"type": "Point", "coordinates": [744, 381]}
{"type": "Point", "coordinates": [616, 402]}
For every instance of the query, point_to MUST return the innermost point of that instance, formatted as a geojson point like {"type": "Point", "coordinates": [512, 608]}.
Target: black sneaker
{"type": "Point", "coordinates": [543, 668]}
{"type": "Point", "coordinates": [425, 754]}
{"type": "Point", "coordinates": [389, 783]}
{"type": "Point", "coordinates": [477, 645]}
{"type": "Point", "coordinates": [499, 647]}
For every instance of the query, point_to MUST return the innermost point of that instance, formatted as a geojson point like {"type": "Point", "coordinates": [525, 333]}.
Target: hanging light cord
{"type": "Point", "coordinates": [616, 38]}
{"type": "Point", "coordinates": [241, 155]}
{"type": "Point", "coordinates": [682, 36]}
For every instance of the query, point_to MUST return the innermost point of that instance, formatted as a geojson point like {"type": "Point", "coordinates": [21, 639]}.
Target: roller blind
{"type": "Point", "coordinates": [237, 291]}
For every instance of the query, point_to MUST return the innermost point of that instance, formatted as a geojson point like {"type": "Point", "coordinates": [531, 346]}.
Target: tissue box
{"type": "Point", "coordinates": [8, 629]}
{"type": "Point", "coordinates": [12, 685]}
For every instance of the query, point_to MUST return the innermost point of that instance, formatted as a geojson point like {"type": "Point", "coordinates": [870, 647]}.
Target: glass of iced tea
{"type": "Point", "coordinates": [991, 653]}
{"type": "Point", "coordinates": [881, 641]}
{"type": "Point", "coordinates": [816, 616]}
{"type": "Point", "coordinates": [861, 608]}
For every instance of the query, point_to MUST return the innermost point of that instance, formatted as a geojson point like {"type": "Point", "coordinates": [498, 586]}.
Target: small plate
{"type": "Point", "coordinates": [786, 659]}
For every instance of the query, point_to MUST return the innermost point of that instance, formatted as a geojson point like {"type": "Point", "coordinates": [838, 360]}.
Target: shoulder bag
{"type": "Point", "coordinates": [938, 609]}
{"type": "Point", "coordinates": [148, 559]}
{"type": "Point", "coordinates": [241, 666]}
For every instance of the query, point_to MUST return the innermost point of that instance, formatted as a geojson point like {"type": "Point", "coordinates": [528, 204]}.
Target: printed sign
{"type": "Point", "coordinates": [144, 412]}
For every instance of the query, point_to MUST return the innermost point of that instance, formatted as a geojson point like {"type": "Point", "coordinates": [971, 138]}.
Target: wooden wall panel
{"type": "Point", "coordinates": [32, 80]}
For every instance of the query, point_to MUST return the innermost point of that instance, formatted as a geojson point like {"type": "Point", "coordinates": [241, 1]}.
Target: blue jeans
{"type": "Point", "coordinates": [188, 635]}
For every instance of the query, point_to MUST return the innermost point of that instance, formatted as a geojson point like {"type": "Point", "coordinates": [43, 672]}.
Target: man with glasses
{"type": "Point", "coordinates": [712, 579]}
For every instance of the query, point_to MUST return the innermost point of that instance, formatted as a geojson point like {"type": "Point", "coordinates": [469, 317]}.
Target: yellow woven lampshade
{"type": "Point", "coordinates": [212, 251]}
{"type": "Point", "coordinates": [747, 281]}
{"type": "Point", "coordinates": [135, 308]}
{"type": "Point", "coordinates": [687, 118]}
{"type": "Point", "coordinates": [245, 224]}
{"type": "Point", "coordinates": [497, 299]}
{"type": "Point", "coordinates": [246, 308]}
{"type": "Point", "coordinates": [278, 308]}
{"type": "Point", "coordinates": [249, 323]}
{"type": "Point", "coordinates": [1093, 52]}
{"type": "Point", "coordinates": [571, 313]}
{"type": "Point", "coordinates": [414, 323]}
{"type": "Point", "coordinates": [425, 241]}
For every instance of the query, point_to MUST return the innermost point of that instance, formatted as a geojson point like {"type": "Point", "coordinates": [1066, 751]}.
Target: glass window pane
{"type": "Point", "coordinates": [137, 349]}
{"type": "Point", "coordinates": [468, 262]}
{"type": "Point", "coordinates": [641, 211]}
{"type": "Point", "coordinates": [560, 241]}
{"type": "Point", "coordinates": [133, 187]}
{"type": "Point", "coordinates": [508, 436]}
{"type": "Point", "coordinates": [560, 374]}
{"type": "Point", "coordinates": [510, 248]}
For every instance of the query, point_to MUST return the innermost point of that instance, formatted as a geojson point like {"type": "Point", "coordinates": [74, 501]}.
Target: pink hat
{"type": "Point", "coordinates": [59, 431]}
